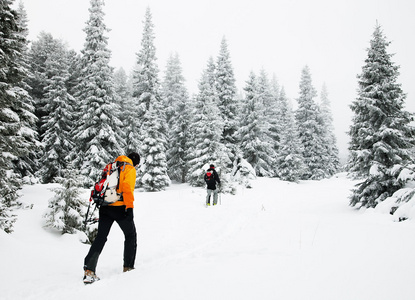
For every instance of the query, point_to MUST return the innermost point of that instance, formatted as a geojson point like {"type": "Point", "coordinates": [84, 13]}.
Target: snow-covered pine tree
{"type": "Point", "coordinates": [289, 162]}
{"type": "Point", "coordinates": [149, 111]}
{"type": "Point", "coordinates": [154, 170]}
{"type": "Point", "coordinates": [275, 87]}
{"type": "Point", "coordinates": [74, 68]}
{"type": "Point", "coordinates": [228, 102]}
{"type": "Point", "coordinates": [39, 53]}
{"type": "Point", "coordinates": [27, 164]}
{"type": "Point", "coordinates": [211, 78]}
{"type": "Point", "coordinates": [123, 96]}
{"type": "Point", "coordinates": [130, 119]}
{"type": "Point", "coordinates": [65, 209]}
{"type": "Point", "coordinates": [205, 145]}
{"type": "Point", "coordinates": [121, 83]}
{"type": "Point", "coordinates": [381, 134]}
{"type": "Point", "coordinates": [178, 112]}
{"type": "Point", "coordinates": [253, 131]}
{"type": "Point", "coordinates": [265, 94]}
{"type": "Point", "coordinates": [333, 152]}
{"type": "Point", "coordinates": [268, 95]}
{"type": "Point", "coordinates": [274, 117]}
{"type": "Point", "coordinates": [311, 129]}
{"type": "Point", "coordinates": [145, 76]}
{"type": "Point", "coordinates": [13, 106]}
{"type": "Point", "coordinates": [58, 123]}
{"type": "Point", "coordinates": [96, 137]}
{"type": "Point", "coordinates": [173, 87]}
{"type": "Point", "coordinates": [242, 172]}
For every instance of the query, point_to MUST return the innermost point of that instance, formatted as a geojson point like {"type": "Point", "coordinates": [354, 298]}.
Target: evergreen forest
{"type": "Point", "coordinates": [64, 113]}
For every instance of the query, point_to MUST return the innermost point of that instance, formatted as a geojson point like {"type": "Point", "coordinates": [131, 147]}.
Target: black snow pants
{"type": "Point", "coordinates": [107, 216]}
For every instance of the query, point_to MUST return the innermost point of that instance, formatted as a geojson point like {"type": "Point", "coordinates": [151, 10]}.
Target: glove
{"type": "Point", "coordinates": [129, 212]}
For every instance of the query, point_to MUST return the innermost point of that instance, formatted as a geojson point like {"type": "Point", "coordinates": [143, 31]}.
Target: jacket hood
{"type": "Point", "coordinates": [124, 158]}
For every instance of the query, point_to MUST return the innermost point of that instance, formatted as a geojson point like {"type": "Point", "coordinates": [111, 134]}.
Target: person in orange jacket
{"type": "Point", "coordinates": [120, 212]}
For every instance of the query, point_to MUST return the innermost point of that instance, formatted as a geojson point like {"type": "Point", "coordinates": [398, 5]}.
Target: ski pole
{"type": "Point", "coordinates": [87, 212]}
{"type": "Point", "coordinates": [86, 216]}
{"type": "Point", "coordinates": [220, 194]}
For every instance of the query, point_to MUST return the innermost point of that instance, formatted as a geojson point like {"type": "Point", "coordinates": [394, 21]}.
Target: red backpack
{"type": "Point", "coordinates": [105, 190]}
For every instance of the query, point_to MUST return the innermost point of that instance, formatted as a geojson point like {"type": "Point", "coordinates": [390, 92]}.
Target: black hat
{"type": "Point", "coordinates": [135, 157]}
{"type": "Point", "coordinates": [212, 166]}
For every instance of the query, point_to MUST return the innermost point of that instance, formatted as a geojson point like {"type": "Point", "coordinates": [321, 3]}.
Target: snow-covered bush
{"type": "Point", "coordinates": [65, 209]}
{"type": "Point", "coordinates": [243, 172]}
{"type": "Point", "coordinates": [402, 203]}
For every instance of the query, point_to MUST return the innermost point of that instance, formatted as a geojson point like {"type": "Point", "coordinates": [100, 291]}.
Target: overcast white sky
{"type": "Point", "coordinates": [280, 36]}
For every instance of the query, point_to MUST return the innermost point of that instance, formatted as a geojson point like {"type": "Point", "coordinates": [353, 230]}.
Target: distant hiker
{"type": "Point", "coordinates": [121, 212]}
{"type": "Point", "coordinates": [211, 177]}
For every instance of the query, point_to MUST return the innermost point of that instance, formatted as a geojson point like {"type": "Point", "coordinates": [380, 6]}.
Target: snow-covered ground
{"type": "Point", "coordinates": [278, 240]}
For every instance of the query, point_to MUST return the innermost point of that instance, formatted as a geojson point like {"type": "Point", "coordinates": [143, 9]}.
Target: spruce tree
{"type": "Point", "coordinates": [74, 69]}
{"type": "Point", "coordinates": [53, 66]}
{"type": "Point", "coordinates": [268, 99]}
{"type": "Point", "coordinates": [40, 51]}
{"type": "Point", "coordinates": [146, 84]}
{"type": "Point", "coordinates": [123, 96]}
{"type": "Point", "coordinates": [381, 135]}
{"type": "Point", "coordinates": [333, 152]}
{"type": "Point", "coordinates": [129, 109]}
{"type": "Point", "coordinates": [205, 146]}
{"type": "Point", "coordinates": [58, 124]}
{"type": "Point", "coordinates": [253, 131]}
{"type": "Point", "coordinates": [121, 83]}
{"type": "Point", "coordinates": [228, 103]}
{"type": "Point", "coordinates": [154, 171]}
{"type": "Point", "coordinates": [13, 106]}
{"type": "Point", "coordinates": [150, 113]}
{"type": "Point", "coordinates": [311, 130]}
{"type": "Point", "coordinates": [274, 116]}
{"type": "Point", "coordinates": [178, 113]}
{"type": "Point", "coordinates": [65, 209]}
{"type": "Point", "coordinates": [289, 162]}
{"type": "Point", "coordinates": [265, 95]}
{"type": "Point", "coordinates": [27, 164]}
{"type": "Point", "coordinates": [121, 88]}
{"type": "Point", "coordinates": [133, 141]}
{"type": "Point", "coordinates": [97, 141]}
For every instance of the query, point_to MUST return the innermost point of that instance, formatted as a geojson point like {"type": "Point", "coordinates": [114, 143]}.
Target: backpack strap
{"type": "Point", "coordinates": [121, 167]}
{"type": "Point", "coordinates": [122, 164]}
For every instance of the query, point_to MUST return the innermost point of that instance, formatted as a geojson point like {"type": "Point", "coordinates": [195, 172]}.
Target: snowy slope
{"type": "Point", "coordinates": [278, 240]}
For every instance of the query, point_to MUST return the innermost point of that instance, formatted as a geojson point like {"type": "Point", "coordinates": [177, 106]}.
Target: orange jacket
{"type": "Point", "coordinates": [127, 183]}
